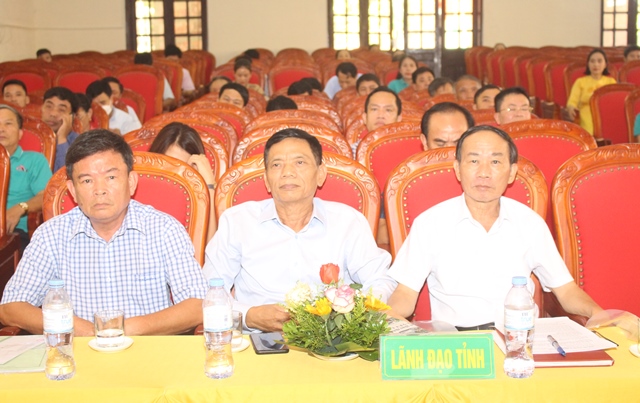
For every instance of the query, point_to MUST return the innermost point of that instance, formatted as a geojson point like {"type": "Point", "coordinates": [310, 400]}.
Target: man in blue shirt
{"type": "Point", "coordinates": [29, 175]}
{"type": "Point", "coordinates": [111, 251]}
{"type": "Point", "coordinates": [60, 104]}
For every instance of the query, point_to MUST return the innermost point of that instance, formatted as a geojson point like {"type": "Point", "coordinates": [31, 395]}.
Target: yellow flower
{"type": "Point", "coordinates": [375, 304]}
{"type": "Point", "coordinates": [323, 307]}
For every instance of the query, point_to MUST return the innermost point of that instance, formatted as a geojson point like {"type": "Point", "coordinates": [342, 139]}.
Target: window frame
{"type": "Point", "coordinates": [169, 21]}
{"type": "Point", "coordinates": [632, 27]}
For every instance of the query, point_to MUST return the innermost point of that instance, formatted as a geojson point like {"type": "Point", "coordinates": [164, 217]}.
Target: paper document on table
{"type": "Point", "coordinates": [11, 347]}
{"type": "Point", "coordinates": [22, 354]}
{"type": "Point", "coordinates": [570, 336]}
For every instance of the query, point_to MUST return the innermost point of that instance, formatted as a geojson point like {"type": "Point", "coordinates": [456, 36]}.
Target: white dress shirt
{"type": "Point", "coordinates": [121, 120]}
{"type": "Point", "coordinates": [469, 270]}
{"type": "Point", "coordinates": [264, 259]}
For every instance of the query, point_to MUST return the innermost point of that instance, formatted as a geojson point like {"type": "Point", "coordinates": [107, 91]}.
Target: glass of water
{"type": "Point", "coordinates": [109, 327]}
{"type": "Point", "coordinates": [237, 329]}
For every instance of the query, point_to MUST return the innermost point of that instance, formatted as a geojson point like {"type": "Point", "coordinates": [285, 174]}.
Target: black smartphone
{"type": "Point", "coordinates": [265, 343]}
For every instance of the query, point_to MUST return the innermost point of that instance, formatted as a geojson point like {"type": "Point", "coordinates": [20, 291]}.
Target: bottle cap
{"type": "Point", "coordinates": [216, 282]}
{"type": "Point", "coordinates": [519, 280]}
{"type": "Point", "coordinates": [56, 283]}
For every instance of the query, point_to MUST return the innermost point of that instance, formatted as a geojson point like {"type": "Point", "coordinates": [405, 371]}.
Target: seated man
{"type": "Point", "coordinates": [116, 94]}
{"type": "Point", "coordinates": [84, 113]}
{"type": "Point", "coordinates": [263, 248]}
{"type": "Point", "coordinates": [111, 251]}
{"type": "Point", "coordinates": [631, 53]}
{"type": "Point", "coordinates": [29, 175]}
{"type": "Point", "coordinates": [512, 105]}
{"type": "Point", "coordinates": [234, 94]}
{"type": "Point", "coordinates": [443, 124]}
{"type": "Point", "coordinates": [346, 75]}
{"type": "Point", "coordinates": [60, 104]}
{"type": "Point", "coordinates": [168, 98]}
{"type": "Point", "coordinates": [216, 84]}
{"type": "Point", "coordinates": [440, 85]}
{"type": "Point", "coordinates": [466, 87]}
{"type": "Point", "coordinates": [300, 88]}
{"type": "Point", "coordinates": [173, 53]}
{"type": "Point", "coordinates": [44, 55]}
{"type": "Point", "coordinates": [15, 91]}
{"type": "Point", "coordinates": [366, 83]}
{"type": "Point", "coordinates": [381, 108]}
{"type": "Point", "coordinates": [280, 102]}
{"type": "Point", "coordinates": [485, 97]}
{"type": "Point", "coordinates": [119, 121]}
{"type": "Point", "coordinates": [468, 248]}
{"type": "Point", "coordinates": [422, 77]}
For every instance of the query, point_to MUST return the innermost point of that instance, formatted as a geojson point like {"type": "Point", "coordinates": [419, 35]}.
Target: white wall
{"type": "Point", "coordinates": [541, 22]}
{"type": "Point", "coordinates": [272, 24]}
{"type": "Point", "coordinates": [17, 32]}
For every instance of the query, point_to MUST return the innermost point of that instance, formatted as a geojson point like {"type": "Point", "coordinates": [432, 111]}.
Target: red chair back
{"type": "Point", "coordinates": [630, 73]}
{"type": "Point", "coordinates": [37, 136]}
{"type": "Point", "coordinates": [594, 200]}
{"type": "Point", "coordinates": [631, 110]}
{"type": "Point", "coordinates": [77, 79]}
{"type": "Point", "coordinates": [607, 109]}
{"type": "Point", "coordinates": [146, 81]}
{"type": "Point", "coordinates": [33, 78]}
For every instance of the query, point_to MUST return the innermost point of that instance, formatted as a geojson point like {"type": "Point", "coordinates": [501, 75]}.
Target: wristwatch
{"type": "Point", "coordinates": [24, 206]}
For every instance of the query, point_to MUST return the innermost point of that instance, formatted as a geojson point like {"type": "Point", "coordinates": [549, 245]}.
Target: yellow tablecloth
{"type": "Point", "coordinates": [170, 369]}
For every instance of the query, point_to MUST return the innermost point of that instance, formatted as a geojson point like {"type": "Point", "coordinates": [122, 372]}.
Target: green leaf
{"type": "Point", "coordinates": [355, 286]}
{"type": "Point", "coordinates": [369, 355]}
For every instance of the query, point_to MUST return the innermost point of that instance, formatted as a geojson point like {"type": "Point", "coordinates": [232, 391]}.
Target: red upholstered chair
{"type": "Point", "coordinates": [253, 142]}
{"type": "Point", "coordinates": [494, 72]}
{"type": "Point", "coordinates": [146, 81]}
{"type": "Point", "coordinates": [631, 109]}
{"type": "Point", "coordinates": [537, 83]}
{"type": "Point", "coordinates": [347, 182]}
{"type": "Point", "coordinates": [173, 71]}
{"type": "Point", "coordinates": [426, 179]}
{"type": "Point", "coordinates": [594, 199]}
{"type": "Point", "coordinates": [314, 103]}
{"type": "Point", "coordinates": [549, 144]}
{"type": "Point", "coordinates": [429, 102]}
{"type": "Point", "coordinates": [285, 115]}
{"type": "Point", "coordinates": [34, 78]}
{"type": "Point", "coordinates": [283, 75]}
{"type": "Point", "coordinates": [387, 71]}
{"type": "Point", "coordinates": [78, 78]}
{"type": "Point", "coordinates": [355, 132]}
{"type": "Point", "coordinates": [554, 73]}
{"type": "Point", "coordinates": [328, 70]}
{"type": "Point", "coordinates": [226, 70]}
{"type": "Point", "coordinates": [167, 184]}
{"type": "Point", "coordinates": [484, 116]}
{"type": "Point", "coordinates": [134, 100]}
{"type": "Point", "coordinates": [209, 59]}
{"type": "Point", "coordinates": [37, 136]}
{"type": "Point", "coordinates": [607, 109]}
{"type": "Point", "coordinates": [209, 102]}
{"type": "Point", "coordinates": [9, 242]}
{"type": "Point", "coordinates": [386, 147]}
{"type": "Point", "coordinates": [630, 73]}
{"type": "Point", "coordinates": [141, 140]}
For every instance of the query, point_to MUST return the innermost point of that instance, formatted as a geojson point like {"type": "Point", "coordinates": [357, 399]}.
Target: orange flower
{"type": "Point", "coordinates": [323, 307]}
{"type": "Point", "coordinates": [329, 273]}
{"type": "Point", "coordinates": [375, 304]}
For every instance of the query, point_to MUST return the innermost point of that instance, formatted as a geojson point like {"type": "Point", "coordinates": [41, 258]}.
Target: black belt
{"type": "Point", "coordinates": [486, 326]}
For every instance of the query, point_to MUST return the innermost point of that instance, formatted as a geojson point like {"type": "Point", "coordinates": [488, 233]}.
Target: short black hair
{"type": "Point", "coordinates": [313, 82]}
{"type": "Point", "coordinates": [281, 102]}
{"type": "Point", "coordinates": [347, 68]}
{"type": "Point", "coordinates": [437, 83]}
{"type": "Point", "coordinates": [366, 78]}
{"type": "Point", "coordinates": [244, 93]}
{"type": "Point", "coordinates": [606, 61]}
{"type": "Point", "coordinates": [242, 62]}
{"type": "Point", "coordinates": [15, 112]}
{"type": "Point", "coordinates": [63, 94]}
{"type": "Point", "coordinates": [384, 89]}
{"type": "Point", "coordinates": [421, 70]}
{"type": "Point", "coordinates": [252, 53]}
{"type": "Point", "coordinates": [314, 144]}
{"type": "Point", "coordinates": [499, 99]}
{"type": "Point", "coordinates": [143, 58]}
{"type": "Point", "coordinates": [444, 107]}
{"type": "Point", "coordinates": [172, 50]}
{"type": "Point", "coordinates": [96, 141]}
{"type": "Point", "coordinates": [629, 49]}
{"type": "Point", "coordinates": [98, 87]}
{"type": "Point", "coordinates": [14, 82]}
{"type": "Point", "coordinates": [300, 88]}
{"type": "Point", "coordinates": [114, 80]}
{"type": "Point", "coordinates": [513, 150]}
{"type": "Point", "coordinates": [216, 78]}
{"type": "Point", "coordinates": [83, 101]}
{"type": "Point", "coordinates": [42, 51]}
{"type": "Point", "coordinates": [483, 89]}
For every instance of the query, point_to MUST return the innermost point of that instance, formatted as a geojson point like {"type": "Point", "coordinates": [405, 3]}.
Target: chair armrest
{"type": "Point", "coordinates": [603, 142]}
{"type": "Point", "coordinates": [554, 309]}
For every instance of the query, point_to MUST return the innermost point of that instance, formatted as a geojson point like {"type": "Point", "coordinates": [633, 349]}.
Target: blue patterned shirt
{"type": "Point", "coordinates": [147, 262]}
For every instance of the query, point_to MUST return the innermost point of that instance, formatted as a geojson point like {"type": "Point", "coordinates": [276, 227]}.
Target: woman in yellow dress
{"type": "Point", "coordinates": [596, 76]}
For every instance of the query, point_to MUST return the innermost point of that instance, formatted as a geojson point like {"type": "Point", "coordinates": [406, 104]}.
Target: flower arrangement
{"type": "Point", "coordinates": [336, 320]}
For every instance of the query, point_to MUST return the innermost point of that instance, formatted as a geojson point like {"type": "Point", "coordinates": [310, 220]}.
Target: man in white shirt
{"type": "Point", "coordinates": [468, 248]}
{"type": "Point", "coordinates": [172, 52]}
{"type": "Point", "coordinates": [346, 76]}
{"type": "Point", "coordinates": [119, 121]}
{"type": "Point", "coordinates": [263, 248]}
{"type": "Point", "coordinates": [116, 95]}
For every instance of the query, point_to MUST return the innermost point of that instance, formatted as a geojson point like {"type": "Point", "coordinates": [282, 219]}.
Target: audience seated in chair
{"type": "Point", "coordinates": [168, 99]}
{"type": "Point", "coordinates": [174, 53]}
{"type": "Point", "coordinates": [485, 97]}
{"type": "Point", "coordinates": [441, 85]}
{"type": "Point", "coordinates": [60, 104]}
{"type": "Point", "coordinates": [15, 91]}
{"type": "Point", "coordinates": [443, 124]}
{"type": "Point", "coordinates": [117, 89]}
{"type": "Point", "coordinates": [346, 76]}
{"type": "Point", "coordinates": [217, 83]}
{"type": "Point", "coordinates": [512, 105]}
{"type": "Point", "coordinates": [281, 102]}
{"type": "Point", "coordinates": [466, 87]}
{"type": "Point", "coordinates": [234, 94]}
{"type": "Point", "coordinates": [120, 122]}
{"type": "Point", "coordinates": [366, 83]}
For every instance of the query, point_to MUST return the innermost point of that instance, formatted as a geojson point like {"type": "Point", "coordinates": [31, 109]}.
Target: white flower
{"type": "Point", "coordinates": [298, 295]}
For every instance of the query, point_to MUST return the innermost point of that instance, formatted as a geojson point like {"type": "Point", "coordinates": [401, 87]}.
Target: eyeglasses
{"type": "Point", "coordinates": [521, 109]}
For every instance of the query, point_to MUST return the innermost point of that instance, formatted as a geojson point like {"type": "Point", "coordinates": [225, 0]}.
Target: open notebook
{"type": "Point", "coordinates": [22, 354]}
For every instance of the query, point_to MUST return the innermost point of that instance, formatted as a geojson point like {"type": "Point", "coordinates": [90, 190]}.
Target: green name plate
{"type": "Point", "coordinates": [433, 356]}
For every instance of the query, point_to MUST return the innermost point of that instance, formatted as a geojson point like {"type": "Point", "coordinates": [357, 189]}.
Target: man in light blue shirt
{"type": "Point", "coordinates": [263, 248]}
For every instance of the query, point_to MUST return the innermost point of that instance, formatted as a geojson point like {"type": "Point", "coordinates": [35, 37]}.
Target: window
{"type": "Point", "coordinates": [152, 24]}
{"type": "Point", "coordinates": [345, 24]}
{"type": "Point", "coordinates": [620, 25]}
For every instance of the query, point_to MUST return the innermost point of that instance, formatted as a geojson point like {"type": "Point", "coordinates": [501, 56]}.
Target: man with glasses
{"type": "Point", "coordinates": [512, 105]}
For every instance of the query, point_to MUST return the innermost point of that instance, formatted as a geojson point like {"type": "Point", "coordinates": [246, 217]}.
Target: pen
{"type": "Point", "coordinates": [555, 344]}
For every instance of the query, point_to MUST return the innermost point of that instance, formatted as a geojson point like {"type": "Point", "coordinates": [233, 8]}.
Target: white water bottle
{"type": "Point", "coordinates": [57, 315]}
{"type": "Point", "coordinates": [218, 324]}
{"type": "Point", "coordinates": [519, 318]}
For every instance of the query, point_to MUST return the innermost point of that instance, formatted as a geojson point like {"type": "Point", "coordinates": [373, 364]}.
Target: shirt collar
{"type": "Point", "coordinates": [132, 220]}
{"type": "Point", "coordinates": [465, 214]}
{"type": "Point", "coordinates": [269, 212]}
{"type": "Point", "coordinates": [17, 154]}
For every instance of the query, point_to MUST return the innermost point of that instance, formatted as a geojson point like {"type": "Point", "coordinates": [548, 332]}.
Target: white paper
{"type": "Point", "coordinates": [13, 346]}
{"type": "Point", "coordinates": [570, 336]}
